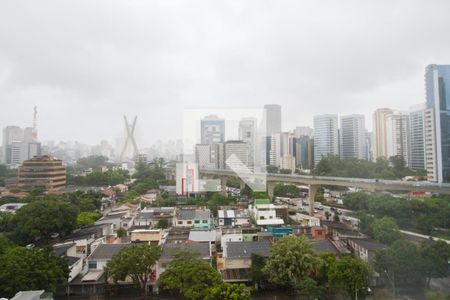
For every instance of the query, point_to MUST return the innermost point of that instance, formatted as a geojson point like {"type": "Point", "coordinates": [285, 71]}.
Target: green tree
{"type": "Point", "coordinates": [291, 261]}
{"type": "Point", "coordinates": [42, 218]}
{"type": "Point", "coordinates": [135, 262]}
{"type": "Point", "coordinates": [256, 273]}
{"type": "Point", "coordinates": [350, 275]}
{"type": "Point", "coordinates": [402, 261]}
{"type": "Point", "coordinates": [162, 223]}
{"type": "Point", "coordinates": [386, 230]}
{"type": "Point", "coordinates": [121, 232]}
{"type": "Point", "coordinates": [38, 269]}
{"type": "Point", "coordinates": [6, 219]}
{"type": "Point", "coordinates": [227, 291]}
{"type": "Point", "coordinates": [5, 243]}
{"type": "Point", "coordinates": [189, 276]}
{"type": "Point", "coordinates": [286, 190]}
{"type": "Point", "coordinates": [86, 219]}
{"type": "Point", "coordinates": [436, 256]}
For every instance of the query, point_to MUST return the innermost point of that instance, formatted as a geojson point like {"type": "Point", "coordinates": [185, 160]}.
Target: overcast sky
{"type": "Point", "coordinates": [86, 63]}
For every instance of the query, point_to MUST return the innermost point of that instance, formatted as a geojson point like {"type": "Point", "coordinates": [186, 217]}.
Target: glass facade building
{"type": "Point", "coordinates": [437, 85]}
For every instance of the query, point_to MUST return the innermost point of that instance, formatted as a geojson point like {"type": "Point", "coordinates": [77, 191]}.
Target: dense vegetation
{"type": "Point", "coordinates": [394, 168]}
{"type": "Point", "coordinates": [24, 269]}
{"type": "Point", "coordinates": [194, 278]}
{"type": "Point", "coordinates": [427, 214]}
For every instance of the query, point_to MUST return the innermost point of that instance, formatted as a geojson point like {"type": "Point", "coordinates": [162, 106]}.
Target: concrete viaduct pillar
{"type": "Point", "coordinates": [241, 185]}
{"type": "Point", "coordinates": [311, 196]}
{"type": "Point", "coordinates": [270, 189]}
{"type": "Point", "coordinates": [223, 185]}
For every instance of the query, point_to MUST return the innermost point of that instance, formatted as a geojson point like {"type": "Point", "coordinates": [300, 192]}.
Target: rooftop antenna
{"type": "Point", "coordinates": [34, 132]}
{"type": "Point", "coordinates": [130, 137]}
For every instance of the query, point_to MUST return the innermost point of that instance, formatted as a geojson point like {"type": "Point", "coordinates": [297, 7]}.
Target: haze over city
{"type": "Point", "coordinates": [86, 65]}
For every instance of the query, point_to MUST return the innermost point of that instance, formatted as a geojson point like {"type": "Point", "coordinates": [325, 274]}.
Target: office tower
{"type": "Point", "coordinates": [236, 155]}
{"type": "Point", "coordinates": [326, 137]}
{"type": "Point", "coordinates": [212, 130]}
{"type": "Point", "coordinates": [303, 131]}
{"type": "Point", "coordinates": [303, 152]}
{"type": "Point", "coordinates": [42, 171]}
{"type": "Point", "coordinates": [437, 88]}
{"type": "Point", "coordinates": [417, 137]}
{"type": "Point", "coordinates": [379, 144]}
{"type": "Point", "coordinates": [247, 134]}
{"type": "Point", "coordinates": [397, 128]}
{"type": "Point", "coordinates": [273, 118]}
{"type": "Point", "coordinates": [353, 137]}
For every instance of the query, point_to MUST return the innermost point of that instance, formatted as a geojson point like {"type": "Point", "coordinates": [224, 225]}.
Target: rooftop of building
{"type": "Point", "coordinates": [245, 249]}
{"type": "Point", "coordinates": [368, 244]}
{"type": "Point", "coordinates": [106, 251]}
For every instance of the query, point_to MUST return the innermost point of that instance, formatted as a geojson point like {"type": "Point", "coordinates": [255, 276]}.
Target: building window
{"type": "Point", "coordinates": [205, 221]}
{"type": "Point", "coordinates": [189, 222]}
{"type": "Point", "coordinates": [92, 264]}
{"type": "Point", "coordinates": [180, 222]}
{"type": "Point", "coordinates": [196, 221]}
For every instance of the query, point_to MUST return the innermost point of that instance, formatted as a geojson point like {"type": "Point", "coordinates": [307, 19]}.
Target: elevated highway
{"type": "Point", "coordinates": [315, 181]}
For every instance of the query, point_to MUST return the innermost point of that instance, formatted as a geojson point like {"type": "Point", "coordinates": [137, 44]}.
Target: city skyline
{"type": "Point", "coordinates": [156, 66]}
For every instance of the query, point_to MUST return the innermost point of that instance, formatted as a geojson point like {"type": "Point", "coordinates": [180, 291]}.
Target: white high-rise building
{"type": "Point", "coordinates": [18, 145]}
{"type": "Point", "coordinates": [353, 137]}
{"type": "Point", "coordinates": [282, 145]}
{"type": "Point", "coordinates": [417, 137]}
{"type": "Point", "coordinates": [430, 144]}
{"type": "Point", "coordinates": [326, 136]}
{"type": "Point", "coordinates": [379, 135]}
{"type": "Point", "coordinates": [397, 128]}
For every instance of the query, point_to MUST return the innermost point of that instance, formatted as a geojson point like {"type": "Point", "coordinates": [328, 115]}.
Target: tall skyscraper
{"type": "Point", "coordinates": [326, 137]}
{"type": "Point", "coordinates": [303, 152]}
{"type": "Point", "coordinates": [18, 145]}
{"type": "Point", "coordinates": [417, 137]}
{"type": "Point", "coordinates": [212, 130]}
{"type": "Point", "coordinates": [430, 144]}
{"type": "Point", "coordinates": [353, 137]}
{"type": "Point", "coordinates": [379, 134]}
{"type": "Point", "coordinates": [437, 86]}
{"type": "Point", "coordinates": [273, 118]}
{"type": "Point", "coordinates": [397, 128]}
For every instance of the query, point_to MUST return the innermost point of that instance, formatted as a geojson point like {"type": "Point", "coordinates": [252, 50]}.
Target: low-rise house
{"type": "Point", "coordinates": [365, 248]}
{"type": "Point", "coordinates": [32, 295]}
{"type": "Point", "coordinates": [150, 216]}
{"type": "Point", "coordinates": [150, 236]}
{"type": "Point", "coordinates": [200, 235]}
{"type": "Point", "coordinates": [279, 232]}
{"type": "Point", "coordinates": [197, 218]}
{"type": "Point", "coordinates": [122, 188]}
{"type": "Point", "coordinates": [305, 220]}
{"type": "Point", "coordinates": [177, 235]}
{"type": "Point", "coordinates": [234, 217]}
{"type": "Point", "coordinates": [265, 213]}
{"type": "Point", "coordinates": [74, 260]}
{"type": "Point", "coordinates": [203, 250]}
{"type": "Point", "coordinates": [235, 261]}
{"type": "Point", "coordinates": [324, 246]}
{"type": "Point", "coordinates": [318, 233]}
{"type": "Point", "coordinates": [86, 239]}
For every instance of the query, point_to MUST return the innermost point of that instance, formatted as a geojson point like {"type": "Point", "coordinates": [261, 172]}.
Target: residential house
{"type": "Point", "coordinates": [150, 236]}
{"type": "Point", "coordinates": [197, 218]}
{"type": "Point", "coordinates": [265, 213]}
{"type": "Point", "coordinates": [365, 248]}
{"type": "Point", "coordinates": [234, 217]}
{"type": "Point", "coordinates": [235, 261]}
